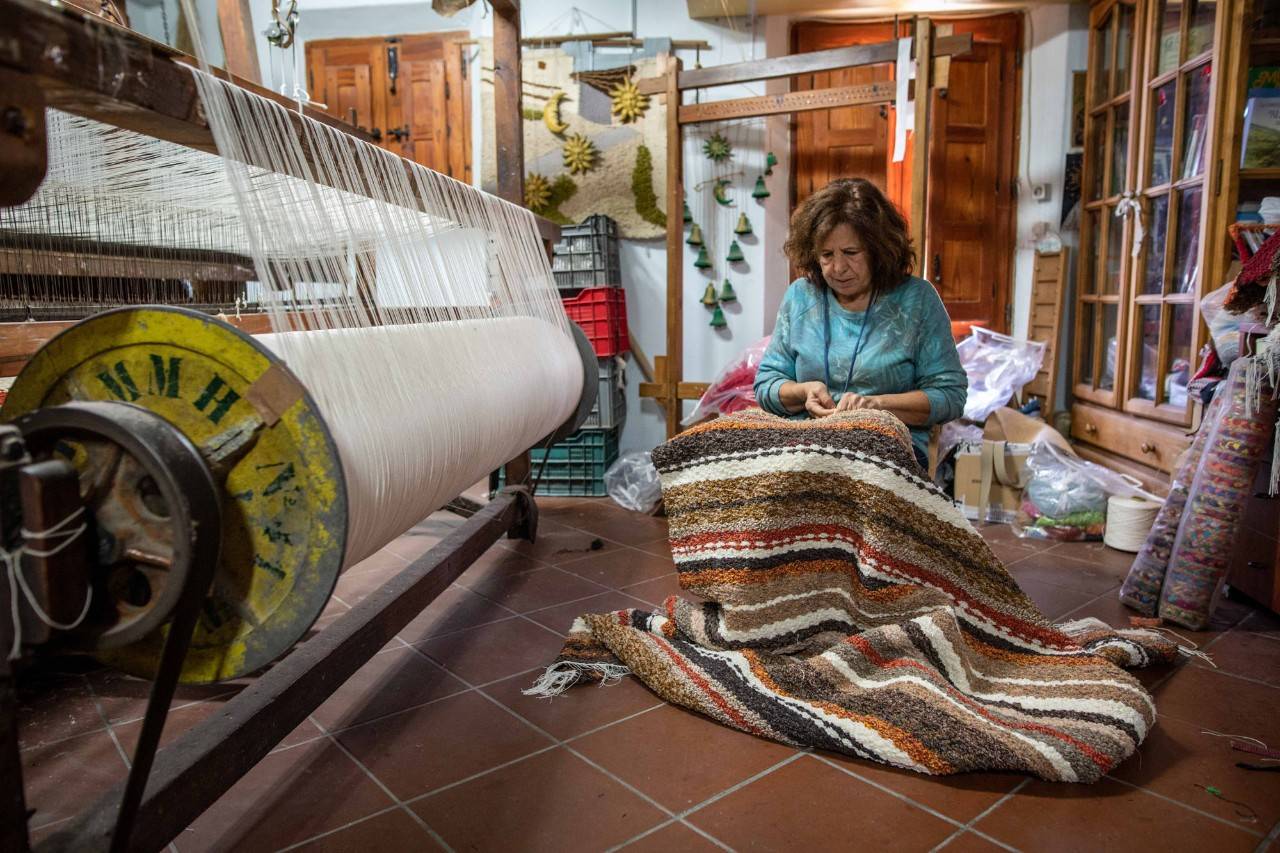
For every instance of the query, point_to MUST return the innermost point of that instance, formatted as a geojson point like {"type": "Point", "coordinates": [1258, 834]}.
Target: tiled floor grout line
{"type": "Point", "coordinates": [898, 794]}
{"type": "Point", "coordinates": [338, 829]}
{"type": "Point", "coordinates": [1271, 836]}
{"type": "Point", "coordinates": [568, 748]}
{"type": "Point", "coordinates": [969, 827]}
{"type": "Point", "coordinates": [1187, 806]}
{"type": "Point", "coordinates": [413, 816]}
{"type": "Point", "coordinates": [681, 817]}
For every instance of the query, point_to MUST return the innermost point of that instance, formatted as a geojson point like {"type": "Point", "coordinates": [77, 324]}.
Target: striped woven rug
{"type": "Point", "coordinates": [852, 607]}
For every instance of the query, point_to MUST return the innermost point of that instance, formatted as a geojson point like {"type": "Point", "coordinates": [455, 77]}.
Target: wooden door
{"type": "Point", "coordinates": [972, 152]}
{"type": "Point", "coordinates": [846, 141]}
{"type": "Point", "coordinates": [412, 92]}
{"type": "Point", "coordinates": [973, 148]}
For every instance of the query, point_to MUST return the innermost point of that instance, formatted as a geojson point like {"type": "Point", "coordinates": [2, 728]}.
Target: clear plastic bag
{"type": "Point", "coordinates": [1066, 497]}
{"type": "Point", "coordinates": [633, 482]}
{"type": "Point", "coordinates": [733, 389]}
{"type": "Point", "coordinates": [997, 367]}
{"type": "Point", "coordinates": [1224, 325]}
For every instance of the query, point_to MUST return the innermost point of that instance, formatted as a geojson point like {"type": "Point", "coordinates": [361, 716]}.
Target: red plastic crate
{"type": "Point", "coordinates": [602, 314]}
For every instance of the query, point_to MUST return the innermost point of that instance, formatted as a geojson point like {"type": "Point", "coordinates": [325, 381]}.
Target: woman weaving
{"type": "Point", "coordinates": [859, 331]}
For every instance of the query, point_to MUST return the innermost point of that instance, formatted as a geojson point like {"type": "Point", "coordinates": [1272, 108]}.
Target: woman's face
{"type": "Point", "coordinates": [844, 262]}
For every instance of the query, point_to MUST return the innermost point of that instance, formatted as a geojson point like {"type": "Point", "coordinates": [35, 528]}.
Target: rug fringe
{"type": "Point", "coordinates": [559, 677]}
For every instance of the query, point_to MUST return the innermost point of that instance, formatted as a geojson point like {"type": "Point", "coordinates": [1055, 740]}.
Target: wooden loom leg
{"type": "Point", "coordinates": [674, 361]}
{"type": "Point", "coordinates": [920, 142]}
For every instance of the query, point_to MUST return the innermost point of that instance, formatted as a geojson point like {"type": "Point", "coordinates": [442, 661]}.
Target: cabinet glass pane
{"type": "Point", "coordinates": [1186, 266]}
{"type": "Point", "coordinates": [1110, 313]}
{"type": "Point", "coordinates": [1200, 33]}
{"type": "Point", "coordinates": [1169, 19]}
{"type": "Point", "coordinates": [1150, 354]}
{"type": "Point", "coordinates": [1162, 133]}
{"type": "Point", "coordinates": [1157, 228]}
{"type": "Point", "coordinates": [1097, 157]}
{"type": "Point", "coordinates": [1197, 121]}
{"type": "Point", "coordinates": [1178, 371]}
{"type": "Point", "coordinates": [1115, 252]}
{"type": "Point", "coordinates": [1093, 242]}
{"type": "Point", "coordinates": [1085, 355]}
{"type": "Point", "coordinates": [1120, 149]}
{"type": "Point", "coordinates": [1124, 49]}
{"type": "Point", "coordinates": [1102, 61]}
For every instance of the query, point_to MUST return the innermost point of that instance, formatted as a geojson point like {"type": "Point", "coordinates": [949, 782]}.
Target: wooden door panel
{"type": "Point", "coordinates": [428, 103]}
{"type": "Point", "coordinates": [973, 139]}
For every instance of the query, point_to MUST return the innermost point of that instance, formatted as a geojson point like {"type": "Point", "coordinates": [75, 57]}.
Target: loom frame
{"type": "Point", "coordinates": [670, 389]}
{"type": "Point", "coordinates": [58, 56]}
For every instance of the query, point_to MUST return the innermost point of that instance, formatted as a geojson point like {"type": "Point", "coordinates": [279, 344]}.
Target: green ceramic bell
{"type": "Point", "coordinates": [717, 319]}
{"type": "Point", "coordinates": [703, 262]}
{"type": "Point", "coordinates": [761, 191]}
{"type": "Point", "coordinates": [688, 214]}
{"type": "Point", "coordinates": [769, 162]}
{"type": "Point", "coordinates": [735, 252]}
{"type": "Point", "coordinates": [695, 235]}
{"type": "Point", "coordinates": [726, 293]}
{"type": "Point", "coordinates": [743, 226]}
{"type": "Point", "coordinates": [709, 295]}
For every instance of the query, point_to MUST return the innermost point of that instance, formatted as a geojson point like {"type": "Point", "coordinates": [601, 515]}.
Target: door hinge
{"type": "Point", "coordinates": [1217, 178]}
{"type": "Point", "coordinates": [446, 90]}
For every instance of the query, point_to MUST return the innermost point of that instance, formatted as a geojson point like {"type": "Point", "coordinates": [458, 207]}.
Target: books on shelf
{"type": "Point", "coordinates": [1261, 135]}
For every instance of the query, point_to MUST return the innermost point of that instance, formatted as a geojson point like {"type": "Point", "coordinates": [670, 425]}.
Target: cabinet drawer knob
{"type": "Point", "coordinates": [1090, 428]}
{"type": "Point", "coordinates": [1148, 447]}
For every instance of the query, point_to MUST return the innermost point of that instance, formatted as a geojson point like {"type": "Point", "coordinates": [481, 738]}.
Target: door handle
{"type": "Point", "coordinates": [393, 66]}
{"type": "Point", "coordinates": [937, 269]}
{"type": "Point", "coordinates": [399, 134]}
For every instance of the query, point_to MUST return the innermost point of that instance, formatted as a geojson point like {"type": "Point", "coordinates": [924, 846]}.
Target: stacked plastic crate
{"type": "Point", "coordinates": [589, 277]}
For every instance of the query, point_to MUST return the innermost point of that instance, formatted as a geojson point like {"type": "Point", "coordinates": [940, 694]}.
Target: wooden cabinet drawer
{"type": "Point", "coordinates": [1142, 441]}
{"type": "Point", "coordinates": [1255, 561]}
{"type": "Point", "coordinates": [1262, 512]}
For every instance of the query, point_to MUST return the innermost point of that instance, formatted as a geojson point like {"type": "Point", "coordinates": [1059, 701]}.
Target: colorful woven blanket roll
{"type": "Point", "coordinates": [852, 607]}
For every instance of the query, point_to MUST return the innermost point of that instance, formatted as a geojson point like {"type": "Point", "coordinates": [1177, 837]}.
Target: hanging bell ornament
{"type": "Point", "coordinates": [717, 318]}
{"type": "Point", "coordinates": [743, 226]}
{"type": "Point", "coordinates": [735, 252]}
{"type": "Point", "coordinates": [695, 235]}
{"type": "Point", "coordinates": [703, 262]}
{"type": "Point", "coordinates": [726, 292]}
{"type": "Point", "coordinates": [761, 191]}
{"type": "Point", "coordinates": [769, 162]}
{"type": "Point", "coordinates": [688, 214]}
{"type": "Point", "coordinates": [709, 296]}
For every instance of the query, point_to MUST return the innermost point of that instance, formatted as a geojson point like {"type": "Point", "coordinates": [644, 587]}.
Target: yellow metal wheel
{"type": "Point", "coordinates": [284, 499]}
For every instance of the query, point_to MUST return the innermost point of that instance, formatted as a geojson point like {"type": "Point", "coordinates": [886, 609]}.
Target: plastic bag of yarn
{"type": "Point", "coordinates": [733, 388]}
{"type": "Point", "coordinates": [1224, 325]}
{"type": "Point", "coordinates": [1066, 497]}
{"type": "Point", "coordinates": [997, 367]}
{"type": "Point", "coordinates": [633, 483]}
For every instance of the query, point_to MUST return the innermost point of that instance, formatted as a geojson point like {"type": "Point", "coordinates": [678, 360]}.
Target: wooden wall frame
{"type": "Point", "coordinates": [670, 389]}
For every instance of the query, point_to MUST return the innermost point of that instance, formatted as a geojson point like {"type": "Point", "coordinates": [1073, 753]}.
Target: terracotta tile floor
{"type": "Point", "coordinates": [432, 745]}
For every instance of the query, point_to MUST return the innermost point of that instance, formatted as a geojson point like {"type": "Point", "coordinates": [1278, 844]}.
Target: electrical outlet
{"type": "Point", "coordinates": [1040, 192]}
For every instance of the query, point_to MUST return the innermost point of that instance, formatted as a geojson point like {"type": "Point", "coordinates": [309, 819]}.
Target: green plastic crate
{"type": "Point", "coordinates": [575, 467]}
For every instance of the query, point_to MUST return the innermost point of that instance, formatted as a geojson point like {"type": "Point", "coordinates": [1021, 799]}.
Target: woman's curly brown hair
{"type": "Point", "coordinates": [878, 223]}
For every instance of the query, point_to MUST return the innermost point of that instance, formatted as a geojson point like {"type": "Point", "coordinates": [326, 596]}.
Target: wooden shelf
{"type": "Point", "coordinates": [1272, 174]}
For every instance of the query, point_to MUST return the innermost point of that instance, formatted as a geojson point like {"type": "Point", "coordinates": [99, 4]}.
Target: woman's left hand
{"type": "Point", "coordinates": [851, 401]}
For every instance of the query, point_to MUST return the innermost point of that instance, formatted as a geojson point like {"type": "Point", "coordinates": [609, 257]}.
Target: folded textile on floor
{"type": "Point", "coordinates": [852, 607]}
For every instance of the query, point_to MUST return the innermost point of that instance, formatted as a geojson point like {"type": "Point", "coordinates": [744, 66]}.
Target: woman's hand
{"type": "Point", "coordinates": [851, 401]}
{"type": "Point", "coordinates": [817, 400]}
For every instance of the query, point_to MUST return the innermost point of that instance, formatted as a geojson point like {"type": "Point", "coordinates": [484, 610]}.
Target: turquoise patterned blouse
{"type": "Point", "coordinates": [907, 347]}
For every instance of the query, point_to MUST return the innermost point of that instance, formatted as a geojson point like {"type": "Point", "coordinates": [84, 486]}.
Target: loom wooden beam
{"type": "Point", "coordinates": [813, 62]}
{"type": "Point", "coordinates": [236, 24]}
{"type": "Point", "coordinates": [922, 47]}
{"type": "Point", "coordinates": [508, 117]}
{"type": "Point", "coordinates": [670, 368]}
{"type": "Point", "coordinates": [790, 102]}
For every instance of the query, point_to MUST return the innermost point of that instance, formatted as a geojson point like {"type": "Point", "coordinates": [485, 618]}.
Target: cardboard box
{"type": "Point", "coordinates": [991, 474]}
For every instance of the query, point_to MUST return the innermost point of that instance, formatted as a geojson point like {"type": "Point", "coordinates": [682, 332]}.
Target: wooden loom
{"type": "Point", "coordinates": [671, 389]}
{"type": "Point", "coordinates": [51, 55]}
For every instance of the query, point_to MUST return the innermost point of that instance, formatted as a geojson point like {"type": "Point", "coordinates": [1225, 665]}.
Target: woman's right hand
{"type": "Point", "coordinates": [817, 400]}
{"type": "Point", "coordinates": [812, 397]}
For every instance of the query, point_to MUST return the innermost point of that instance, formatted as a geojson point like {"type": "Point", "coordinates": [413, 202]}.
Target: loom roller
{"type": "Point", "coordinates": [263, 468]}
